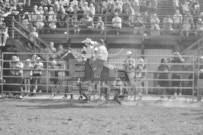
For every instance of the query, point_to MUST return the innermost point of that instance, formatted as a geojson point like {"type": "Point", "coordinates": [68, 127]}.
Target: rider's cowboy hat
{"type": "Point", "coordinates": [88, 41]}
{"type": "Point", "coordinates": [129, 53]}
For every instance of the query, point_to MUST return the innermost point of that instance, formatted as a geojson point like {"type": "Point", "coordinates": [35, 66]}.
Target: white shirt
{"type": "Point", "coordinates": [89, 51]}
{"type": "Point", "coordinates": [102, 53]}
{"type": "Point", "coordinates": [117, 22]}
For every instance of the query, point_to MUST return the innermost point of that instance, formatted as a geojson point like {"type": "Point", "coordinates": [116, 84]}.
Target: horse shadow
{"type": "Point", "coordinates": [50, 105]}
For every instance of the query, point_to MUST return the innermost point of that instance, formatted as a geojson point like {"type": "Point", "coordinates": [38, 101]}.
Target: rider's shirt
{"type": "Point", "coordinates": [89, 51]}
{"type": "Point", "coordinates": [102, 53]}
{"type": "Point", "coordinates": [130, 64]}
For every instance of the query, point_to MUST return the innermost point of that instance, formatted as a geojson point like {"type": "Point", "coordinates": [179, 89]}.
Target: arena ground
{"type": "Point", "coordinates": [32, 116]}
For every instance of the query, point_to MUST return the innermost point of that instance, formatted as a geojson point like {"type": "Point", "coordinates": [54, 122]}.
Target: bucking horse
{"type": "Point", "coordinates": [108, 74]}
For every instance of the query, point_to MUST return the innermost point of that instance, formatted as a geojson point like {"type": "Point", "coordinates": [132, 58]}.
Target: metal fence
{"type": "Point", "coordinates": [177, 78]}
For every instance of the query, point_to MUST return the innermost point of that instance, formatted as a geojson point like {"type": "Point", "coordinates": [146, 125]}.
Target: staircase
{"type": "Point", "coordinates": [22, 36]}
{"type": "Point", "coordinates": [164, 8]}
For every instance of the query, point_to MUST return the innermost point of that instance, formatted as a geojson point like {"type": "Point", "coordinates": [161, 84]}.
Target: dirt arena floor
{"type": "Point", "coordinates": [63, 117]}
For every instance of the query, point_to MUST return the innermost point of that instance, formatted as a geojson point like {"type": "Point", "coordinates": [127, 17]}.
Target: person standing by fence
{"type": "Point", "coordinates": [37, 72]}
{"type": "Point", "coordinates": [27, 74]}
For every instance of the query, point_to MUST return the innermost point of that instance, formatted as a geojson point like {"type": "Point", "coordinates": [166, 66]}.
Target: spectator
{"type": "Point", "coordinates": [60, 51]}
{"type": "Point", "coordinates": [16, 73]}
{"type": "Point", "coordinates": [135, 5]}
{"type": "Point", "coordinates": [187, 21]}
{"type": "Point", "coordinates": [117, 23]}
{"type": "Point", "coordinates": [88, 23]}
{"type": "Point", "coordinates": [92, 10]}
{"type": "Point", "coordinates": [153, 5]}
{"type": "Point", "coordinates": [100, 25]}
{"type": "Point", "coordinates": [33, 36]}
{"type": "Point", "coordinates": [110, 7]}
{"type": "Point", "coordinates": [27, 75]}
{"type": "Point", "coordinates": [37, 72]}
{"type": "Point", "coordinates": [62, 16]}
{"type": "Point", "coordinates": [86, 8]}
{"type": "Point", "coordinates": [34, 15]}
{"type": "Point", "coordinates": [74, 5]}
{"type": "Point", "coordinates": [103, 7]}
{"type": "Point", "coordinates": [168, 24]}
{"type": "Point", "coordinates": [177, 20]}
{"type": "Point", "coordinates": [199, 26]}
{"type": "Point", "coordinates": [52, 20]}
{"type": "Point", "coordinates": [138, 26]}
{"type": "Point", "coordinates": [143, 6]}
{"type": "Point", "coordinates": [26, 20]}
{"type": "Point", "coordinates": [76, 23]}
{"type": "Point", "coordinates": [155, 29]}
{"type": "Point", "coordinates": [3, 36]}
{"type": "Point", "coordinates": [117, 7]}
{"type": "Point", "coordinates": [61, 75]}
{"type": "Point", "coordinates": [163, 76]}
{"type": "Point", "coordinates": [40, 22]}
{"type": "Point", "coordinates": [50, 50]}
{"type": "Point", "coordinates": [104, 90]}
{"type": "Point", "coordinates": [185, 7]}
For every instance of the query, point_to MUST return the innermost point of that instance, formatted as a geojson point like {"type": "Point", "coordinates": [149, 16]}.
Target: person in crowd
{"type": "Point", "coordinates": [176, 66]}
{"type": "Point", "coordinates": [163, 76]}
{"type": "Point", "coordinates": [61, 75]}
{"type": "Point", "coordinates": [177, 20]}
{"type": "Point", "coordinates": [187, 24]}
{"type": "Point", "coordinates": [50, 50]}
{"type": "Point", "coordinates": [143, 6]}
{"type": "Point", "coordinates": [138, 25]}
{"type": "Point", "coordinates": [33, 15]}
{"type": "Point", "coordinates": [33, 37]}
{"type": "Point", "coordinates": [135, 5]}
{"type": "Point", "coordinates": [86, 9]}
{"type": "Point", "coordinates": [117, 23]}
{"type": "Point", "coordinates": [75, 6]}
{"type": "Point", "coordinates": [101, 56]}
{"type": "Point", "coordinates": [199, 27]}
{"type": "Point", "coordinates": [92, 10]}
{"type": "Point", "coordinates": [76, 25]}
{"type": "Point", "coordinates": [140, 74]}
{"type": "Point", "coordinates": [62, 16]}
{"type": "Point", "coordinates": [153, 5]}
{"type": "Point", "coordinates": [60, 51]}
{"type": "Point", "coordinates": [100, 25]}
{"type": "Point", "coordinates": [87, 23]}
{"type": "Point", "coordinates": [26, 20]}
{"type": "Point", "coordinates": [117, 7]}
{"type": "Point", "coordinates": [37, 73]}
{"type": "Point", "coordinates": [16, 67]}
{"type": "Point", "coordinates": [53, 68]}
{"type": "Point", "coordinates": [110, 7]}
{"type": "Point", "coordinates": [186, 7]}
{"type": "Point", "coordinates": [3, 36]}
{"type": "Point", "coordinates": [52, 19]}
{"type": "Point", "coordinates": [129, 66]}
{"type": "Point", "coordinates": [40, 19]}
{"type": "Point", "coordinates": [167, 25]}
{"type": "Point", "coordinates": [155, 29]}
{"type": "Point", "coordinates": [27, 75]}
{"type": "Point", "coordinates": [103, 7]}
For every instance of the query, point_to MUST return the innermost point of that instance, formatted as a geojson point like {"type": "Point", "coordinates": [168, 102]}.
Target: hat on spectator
{"type": "Point", "coordinates": [129, 53]}
{"type": "Point", "coordinates": [14, 58]}
{"type": "Point", "coordinates": [141, 60]}
{"type": "Point", "coordinates": [88, 41]}
{"type": "Point", "coordinates": [101, 41]}
{"type": "Point", "coordinates": [38, 58]}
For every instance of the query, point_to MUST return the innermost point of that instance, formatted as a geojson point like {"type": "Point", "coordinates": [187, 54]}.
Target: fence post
{"type": "Point", "coordinates": [47, 85]}
{"type": "Point", "coordinates": [105, 24]}
{"type": "Point", "coordinates": [12, 33]}
{"type": "Point", "coordinates": [194, 76]}
{"type": "Point", "coordinates": [2, 66]}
